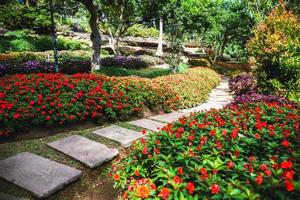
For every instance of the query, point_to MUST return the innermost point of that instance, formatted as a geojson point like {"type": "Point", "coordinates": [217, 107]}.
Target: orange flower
{"type": "Point", "coordinates": [116, 177]}
{"type": "Point", "coordinates": [142, 192]}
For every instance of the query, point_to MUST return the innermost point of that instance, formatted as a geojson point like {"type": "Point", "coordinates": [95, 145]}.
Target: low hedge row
{"type": "Point", "coordinates": [48, 99]}
{"type": "Point", "coordinates": [69, 62]}
{"type": "Point", "coordinates": [244, 151]}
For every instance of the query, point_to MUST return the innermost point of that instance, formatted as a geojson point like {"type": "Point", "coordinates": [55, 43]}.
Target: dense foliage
{"type": "Point", "coordinates": [70, 62]}
{"type": "Point", "coordinates": [244, 151]}
{"type": "Point", "coordinates": [256, 98]}
{"type": "Point", "coordinates": [276, 49]}
{"type": "Point", "coordinates": [242, 83]}
{"type": "Point", "coordinates": [48, 99]}
{"type": "Point", "coordinates": [132, 62]}
{"type": "Point", "coordinates": [25, 40]}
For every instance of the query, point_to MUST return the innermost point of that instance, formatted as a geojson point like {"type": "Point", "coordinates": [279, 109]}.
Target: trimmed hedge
{"type": "Point", "coordinates": [199, 62]}
{"type": "Point", "coordinates": [132, 62]}
{"type": "Point", "coordinates": [244, 151]}
{"type": "Point", "coordinates": [69, 62]}
{"type": "Point", "coordinates": [48, 99]}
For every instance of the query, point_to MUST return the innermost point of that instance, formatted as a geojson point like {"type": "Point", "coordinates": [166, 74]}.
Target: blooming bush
{"type": "Point", "coordinates": [242, 83]}
{"type": "Point", "coordinates": [245, 151]}
{"type": "Point", "coordinates": [276, 49]}
{"type": "Point", "coordinates": [36, 62]}
{"type": "Point", "coordinates": [131, 62]}
{"type": "Point", "coordinates": [193, 86]}
{"type": "Point", "coordinates": [51, 99]}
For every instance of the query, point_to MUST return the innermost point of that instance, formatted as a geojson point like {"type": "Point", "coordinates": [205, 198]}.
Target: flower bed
{"type": "Point", "coordinates": [244, 151]}
{"type": "Point", "coordinates": [48, 99]}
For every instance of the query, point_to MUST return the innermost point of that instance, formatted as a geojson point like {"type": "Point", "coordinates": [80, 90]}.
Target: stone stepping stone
{"type": "Point", "coordinates": [40, 176]}
{"type": "Point", "coordinates": [88, 152]}
{"type": "Point", "coordinates": [203, 107]}
{"type": "Point", "coordinates": [148, 124]}
{"type": "Point", "coordinates": [170, 117]}
{"type": "Point", "coordinates": [119, 134]}
{"type": "Point", "coordinates": [9, 197]}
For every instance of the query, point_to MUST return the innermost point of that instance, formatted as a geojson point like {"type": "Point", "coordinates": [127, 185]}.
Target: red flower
{"type": "Point", "coordinates": [286, 164]}
{"type": "Point", "coordinates": [180, 171]}
{"type": "Point", "coordinates": [224, 133]}
{"type": "Point", "coordinates": [164, 193]}
{"type": "Point", "coordinates": [71, 117]}
{"type": "Point", "coordinates": [137, 172]}
{"type": "Point", "coordinates": [230, 164]}
{"type": "Point", "coordinates": [177, 180]}
{"type": "Point", "coordinates": [156, 151]}
{"type": "Point", "coordinates": [219, 145]}
{"type": "Point", "coordinates": [289, 175]}
{"type": "Point", "coordinates": [289, 186]}
{"type": "Point", "coordinates": [116, 177]}
{"type": "Point", "coordinates": [48, 118]}
{"type": "Point", "coordinates": [191, 137]}
{"type": "Point", "coordinates": [214, 188]}
{"type": "Point", "coordinates": [236, 153]}
{"type": "Point", "coordinates": [285, 143]}
{"type": "Point", "coordinates": [145, 151]}
{"type": "Point", "coordinates": [263, 167]}
{"type": "Point", "coordinates": [268, 172]}
{"type": "Point", "coordinates": [259, 179]}
{"type": "Point", "coordinates": [190, 187]}
{"type": "Point", "coordinates": [144, 132]}
{"type": "Point", "coordinates": [212, 132]}
{"type": "Point", "coordinates": [153, 187]}
{"type": "Point", "coordinates": [17, 116]}
{"type": "Point", "coordinates": [257, 136]}
{"type": "Point", "coordinates": [235, 132]}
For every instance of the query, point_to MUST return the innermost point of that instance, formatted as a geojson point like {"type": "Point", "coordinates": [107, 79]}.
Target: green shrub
{"type": "Point", "coordinates": [244, 151]}
{"type": "Point", "coordinates": [199, 62]}
{"type": "Point", "coordinates": [16, 16]}
{"type": "Point", "coordinates": [276, 49]}
{"type": "Point", "coordinates": [26, 40]}
{"type": "Point", "coordinates": [139, 30]}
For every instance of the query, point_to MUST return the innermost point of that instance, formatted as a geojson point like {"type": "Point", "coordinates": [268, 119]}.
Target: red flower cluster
{"type": "Point", "coordinates": [244, 150]}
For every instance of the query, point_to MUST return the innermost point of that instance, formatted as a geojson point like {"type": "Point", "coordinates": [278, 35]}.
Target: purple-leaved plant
{"type": "Point", "coordinates": [242, 84]}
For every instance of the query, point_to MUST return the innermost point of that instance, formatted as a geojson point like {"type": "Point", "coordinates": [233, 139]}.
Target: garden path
{"type": "Point", "coordinates": [46, 177]}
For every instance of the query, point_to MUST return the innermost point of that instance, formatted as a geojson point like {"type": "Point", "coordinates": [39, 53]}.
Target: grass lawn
{"type": "Point", "coordinates": [94, 184]}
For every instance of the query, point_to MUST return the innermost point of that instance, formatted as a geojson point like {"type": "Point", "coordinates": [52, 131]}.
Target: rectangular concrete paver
{"type": "Point", "coordinates": [122, 135]}
{"type": "Point", "coordinates": [40, 176]}
{"type": "Point", "coordinates": [169, 118]}
{"type": "Point", "coordinates": [9, 197]}
{"type": "Point", "coordinates": [87, 151]}
{"type": "Point", "coordinates": [148, 124]}
{"type": "Point", "coordinates": [203, 107]}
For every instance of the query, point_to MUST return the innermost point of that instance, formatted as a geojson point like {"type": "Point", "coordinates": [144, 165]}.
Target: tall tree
{"type": "Point", "coordinates": [95, 35]}
{"type": "Point", "coordinates": [117, 16]}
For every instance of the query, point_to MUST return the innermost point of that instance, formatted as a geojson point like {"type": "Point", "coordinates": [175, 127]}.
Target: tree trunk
{"type": "Point", "coordinates": [223, 45]}
{"type": "Point", "coordinates": [95, 35]}
{"type": "Point", "coordinates": [159, 51]}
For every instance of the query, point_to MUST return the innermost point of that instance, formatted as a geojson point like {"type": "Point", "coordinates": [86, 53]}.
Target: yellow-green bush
{"type": "Point", "coordinates": [199, 62]}
{"type": "Point", "coordinates": [276, 49]}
